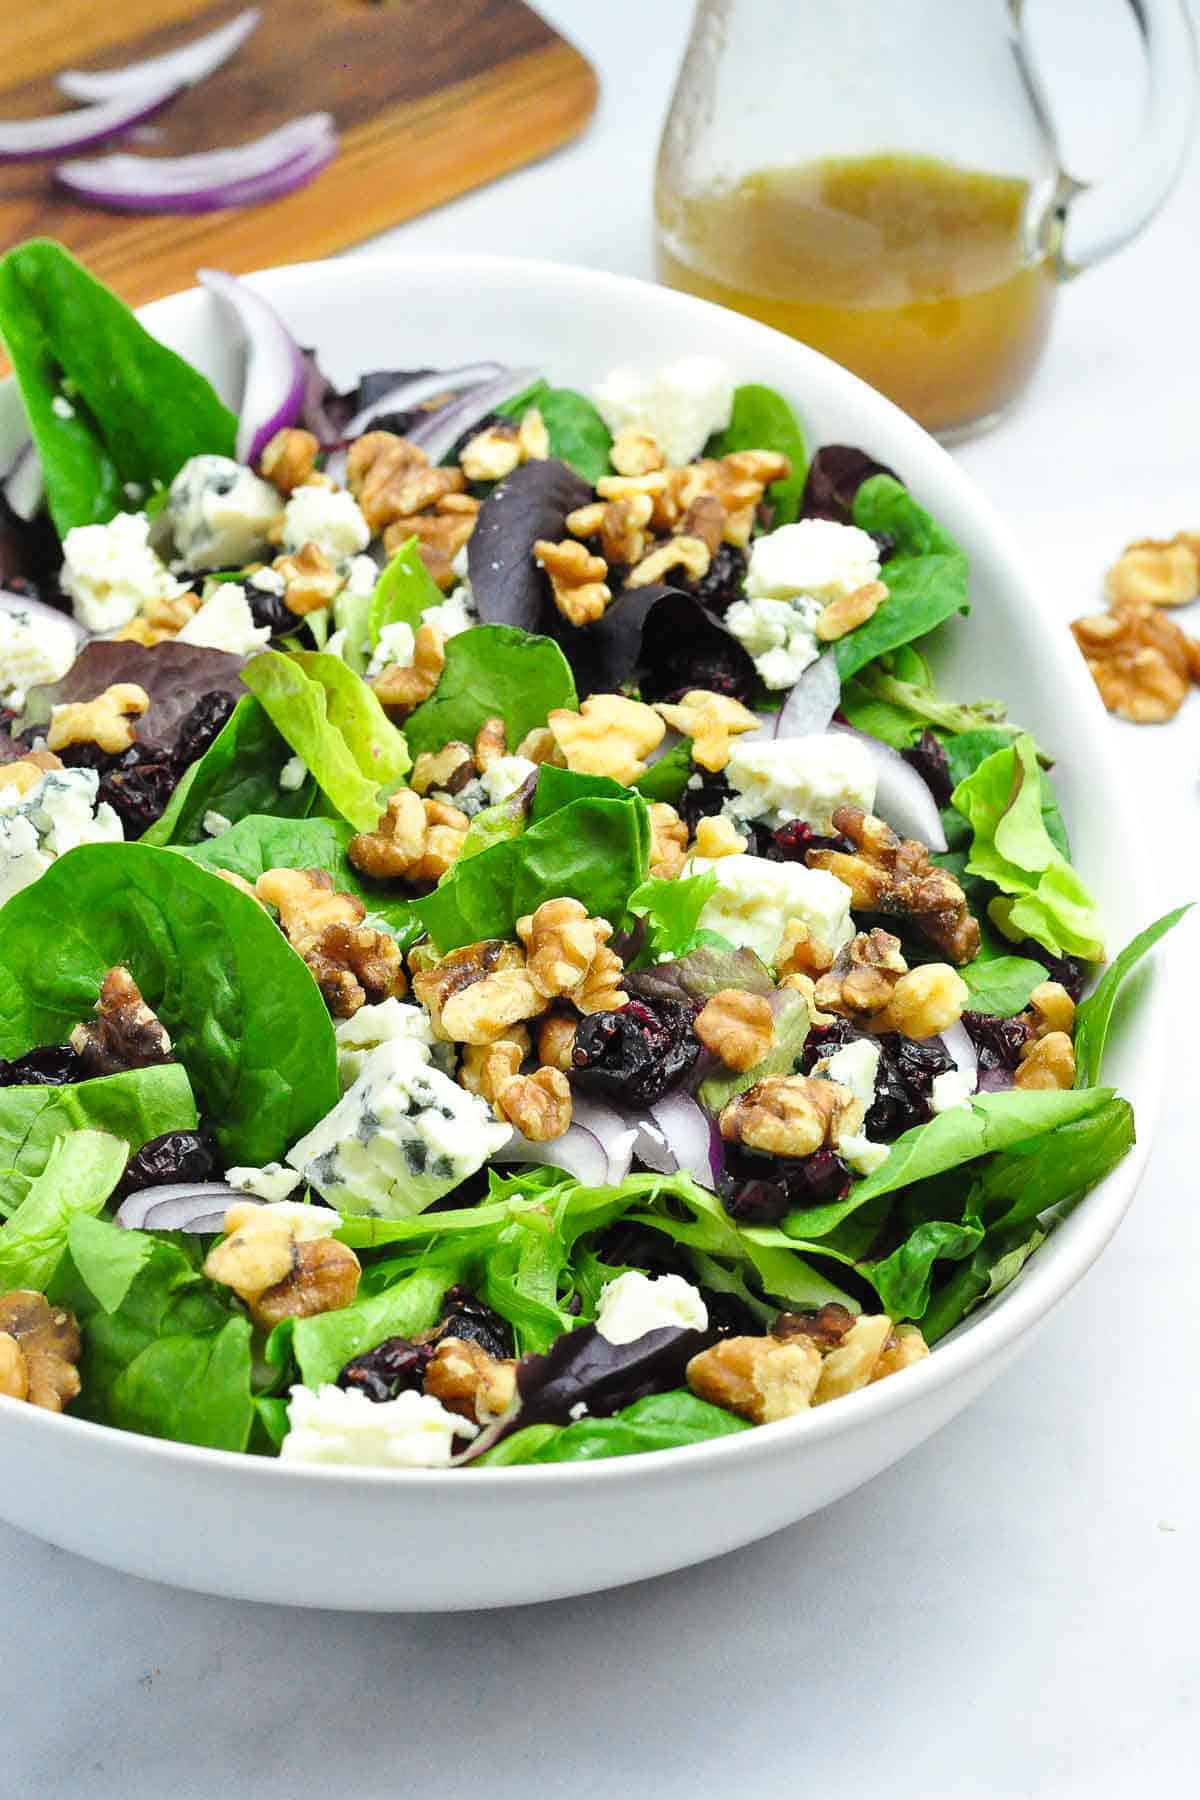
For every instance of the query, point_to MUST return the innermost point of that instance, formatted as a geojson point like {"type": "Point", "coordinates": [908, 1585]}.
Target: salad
{"type": "Point", "coordinates": [506, 956]}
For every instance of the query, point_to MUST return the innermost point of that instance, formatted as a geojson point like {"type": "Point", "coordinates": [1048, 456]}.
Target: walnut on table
{"type": "Point", "coordinates": [1156, 572]}
{"type": "Point", "coordinates": [1142, 663]}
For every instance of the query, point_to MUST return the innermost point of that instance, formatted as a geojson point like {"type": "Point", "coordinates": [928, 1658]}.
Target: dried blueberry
{"type": "Point", "coordinates": [998, 1044]}
{"type": "Point", "coordinates": [202, 724]}
{"type": "Point", "coordinates": [928, 758]}
{"type": "Point", "coordinates": [394, 1367]}
{"type": "Point", "coordinates": [633, 1056]}
{"type": "Point", "coordinates": [175, 1156]}
{"type": "Point", "coordinates": [759, 1190]}
{"type": "Point", "coordinates": [465, 1316]}
{"type": "Point", "coordinates": [53, 1065]}
{"type": "Point", "coordinates": [793, 841]}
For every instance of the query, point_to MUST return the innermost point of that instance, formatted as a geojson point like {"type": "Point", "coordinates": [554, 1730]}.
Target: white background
{"type": "Point", "coordinates": [1008, 1612]}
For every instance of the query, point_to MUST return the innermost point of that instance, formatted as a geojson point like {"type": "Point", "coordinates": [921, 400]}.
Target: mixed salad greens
{"type": "Point", "coordinates": [506, 956]}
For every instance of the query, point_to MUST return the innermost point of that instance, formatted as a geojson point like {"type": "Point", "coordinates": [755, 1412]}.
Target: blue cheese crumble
{"type": "Point", "coordinates": [33, 652]}
{"type": "Point", "coordinates": [328, 518]}
{"type": "Point", "coordinates": [338, 1425]}
{"type": "Point", "coordinates": [55, 815]}
{"type": "Point", "coordinates": [681, 406]}
{"type": "Point", "coordinates": [816, 559]}
{"type": "Point", "coordinates": [855, 1067]}
{"type": "Point", "coordinates": [225, 622]}
{"type": "Point", "coordinates": [778, 635]}
{"type": "Point", "coordinates": [110, 572]}
{"type": "Point", "coordinates": [220, 513]}
{"type": "Point", "coordinates": [635, 1304]}
{"type": "Point", "coordinates": [755, 901]}
{"type": "Point", "coordinates": [781, 779]}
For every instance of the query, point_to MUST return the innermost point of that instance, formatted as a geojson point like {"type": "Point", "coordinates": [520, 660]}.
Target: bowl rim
{"type": "Point", "coordinates": [1042, 1283]}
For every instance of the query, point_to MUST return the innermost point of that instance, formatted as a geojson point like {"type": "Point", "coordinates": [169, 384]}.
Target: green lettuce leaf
{"type": "Point", "coordinates": [667, 778]}
{"type": "Point", "coordinates": [577, 433]}
{"type": "Point", "coordinates": [80, 1173]}
{"type": "Point", "coordinates": [136, 1105]}
{"type": "Point", "coordinates": [403, 592]}
{"type": "Point", "coordinates": [323, 1345]}
{"type": "Point", "coordinates": [1094, 1016]}
{"type": "Point", "coordinates": [492, 671]}
{"type": "Point", "coordinates": [1042, 897]}
{"type": "Point", "coordinates": [926, 575]}
{"type": "Point", "coordinates": [791, 1029]}
{"type": "Point", "coordinates": [245, 1016]}
{"type": "Point", "coordinates": [763, 420]}
{"type": "Point", "coordinates": [1001, 985]}
{"type": "Point", "coordinates": [660, 1422]}
{"type": "Point", "coordinates": [897, 712]}
{"type": "Point", "coordinates": [138, 410]}
{"type": "Point", "coordinates": [237, 775]}
{"type": "Point", "coordinates": [671, 909]}
{"type": "Point", "coordinates": [903, 1279]}
{"type": "Point", "coordinates": [333, 722]}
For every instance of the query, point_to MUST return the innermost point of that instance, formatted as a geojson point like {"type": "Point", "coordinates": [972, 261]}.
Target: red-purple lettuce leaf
{"type": "Point", "coordinates": [836, 473]}
{"type": "Point", "coordinates": [174, 675]}
{"type": "Point", "coordinates": [582, 1367]}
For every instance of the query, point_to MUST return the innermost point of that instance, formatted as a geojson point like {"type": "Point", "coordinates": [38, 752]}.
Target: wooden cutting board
{"type": "Point", "coordinates": [431, 97]}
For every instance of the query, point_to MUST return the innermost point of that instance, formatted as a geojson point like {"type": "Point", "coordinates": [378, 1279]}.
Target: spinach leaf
{"type": "Point", "coordinates": [671, 910]}
{"type": "Point", "coordinates": [135, 1106]}
{"type": "Point", "coordinates": [259, 842]}
{"type": "Point", "coordinates": [244, 1013]}
{"type": "Point", "coordinates": [334, 723]}
{"type": "Point", "coordinates": [667, 778]}
{"type": "Point", "coordinates": [492, 671]}
{"type": "Point", "coordinates": [763, 420]}
{"type": "Point", "coordinates": [80, 1173]}
{"type": "Point", "coordinates": [108, 1258]}
{"type": "Point", "coordinates": [659, 1422]}
{"type": "Point", "coordinates": [903, 1279]}
{"type": "Point", "coordinates": [237, 775]}
{"type": "Point", "coordinates": [926, 575]}
{"type": "Point", "coordinates": [402, 593]}
{"type": "Point", "coordinates": [1012, 848]}
{"type": "Point", "coordinates": [1054, 1170]}
{"type": "Point", "coordinates": [140, 411]}
{"type": "Point", "coordinates": [1094, 1016]}
{"type": "Point", "coordinates": [578, 435]}
{"type": "Point", "coordinates": [997, 1262]}
{"type": "Point", "coordinates": [991, 1122]}
{"type": "Point", "coordinates": [190, 1387]}
{"type": "Point", "coordinates": [593, 849]}
{"type": "Point", "coordinates": [323, 1345]}
{"type": "Point", "coordinates": [1001, 985]}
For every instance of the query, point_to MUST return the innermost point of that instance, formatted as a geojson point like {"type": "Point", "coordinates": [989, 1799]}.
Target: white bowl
{"type": "Point", "coordinates": [429, 1541]}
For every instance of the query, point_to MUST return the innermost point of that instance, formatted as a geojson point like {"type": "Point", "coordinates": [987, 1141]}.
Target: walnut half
{"type": "Point", "coordinates": [893, 875]}
{"type": "Point", "coordinates": [1141, 662]}
{"type": "Point", "coordinates": [350, 962]}
{"type": "Point", "coordinates": [39, 1351]}
{"type": "Point", "coordinates": [125, 1033]}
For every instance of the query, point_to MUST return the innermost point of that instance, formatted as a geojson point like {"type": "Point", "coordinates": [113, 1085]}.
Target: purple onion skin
{"type": "Point", "coordinates": [294, 173]}
{"type": "Point", "coordinates": [123, 117]}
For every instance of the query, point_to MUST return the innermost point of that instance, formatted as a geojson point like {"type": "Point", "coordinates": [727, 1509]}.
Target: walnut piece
{"type": "Point", "coordinates": [790, 1115]}
{"type": "Point", "coordinates": [107, 721]}
{"type": "Point", "coordinates": [539, 1105]}
{"type": "Point", "coordinates": [477, 993]}
{"type": "Point", "coordinates": [492, 453]}
{"type": "Point", "coordinates": [445, 770]}
{"type": "Point", "coordinates": [849, 611]}
{"type": "Point", "coordinates": [1050, 1008]}
{"type": "Point", "coordinates": [470, 1382]}
{"type": "Point", "coordinates": [159, 620]}
{"type": "Point", "coordinates": [392, 479]}
{"type": "Point", "coordinates": [39, 1351]}
{"type": "Point", "coordinates": [619, 524]}
{"type": "Point", "coordinates": [1047, 1062]}
{"type": "Point", "coordinates": [601, 990]}
{"type": "Point", "coordinates": [556, 1041]}
{"type": "Point", "coordinates": [561, 945]}
{"type": "Point", "coordinates": [350, 962]}
{"type": "Point", "coordinates": [872, 985]}
{"type": "Point", "coordinates": [1141, 662]}
{"type": "Point", "coordinates": [738, 1027]}
{"type": "Point", "coordinates": [635, 451]}
{"type": "Point", "coordinates": [609, 735]}
{"type": "Point", "coordinates": [717, 836]}
{"type": "Point", "coordinates": [710, 720]}
{"type": "Point", "coordinates": [893, 875]}
{"type": "Point", "coordinates": [310, 579]}
{"type": "Point", "coordinates": [668, 842]}
{"type": "Point", "coordinates": [1156, 572]}
{"type": "Point", "coordinates": [440, 533]}
{"type": "Point", "coordinates": [416, 840]}
{"type": "Point", "coordinates": [491, 743]}
{"type": "Point", "coordinates": [691, 554]}
{"type": "Point", "coordinates": [289, 459]}
{"type": "Point", "coordinates": [125, 1034]}
{"type": "Point", "coordinates": [279, 1269]}
{"type": "Point", "coordinates": [759, 1378]}
{"type": "Point", "coordinates": [398, 689]}
{"type": "Point", "coordinates": [800, 953]}
{"type": "Point", "coordinates": [576, 579]}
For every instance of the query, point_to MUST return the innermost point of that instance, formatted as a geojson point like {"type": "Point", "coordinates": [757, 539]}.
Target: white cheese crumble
{"type": "Point", "coordinates": [215, 823]}
{"type": "Point", "coordinates": [807, 778]}
{"type": "Point", "coordinates": [293, 774]}
{"type": "Point", "coordinates": [58, 813]}
{"type": "Point", "coordinates": [855, 1067]}
{"type": "Point", "coordinates": [635, 1304]}
{"type": "Point", "coordinates": [395, 649]}
{"type": "Point", "coordinates": [33, 651]}
{"type": "Point", "coordinates": [328, 518]}
{"type": "Point", "coordinates": [755, 899]}
{"type": "Point", "coordinates": [817, 558]}
{"type": "Point", "coordinates": [272, 1183]}
{"type": "Point", "coordinates": [339, 1425]}
{"type": "Point", "coordinates": [951, 1089]}
{"type": "Point", "coordinates": [386, 1022]}
{"type": "Point", "coordinates": [267, 581]}
{"type": "Point", "coordinates": [362, 574]}
{"type": "Point", "coordinates": [61, 407]}
{"type": "Point", "coordinates": [110, 572]}
{"type": "Point", "coordinates": [220, 513]}
{"type": "Point", "coordinates": [682, 405]}
{"type": "Point", "coordinates": [225, 622]}
{"type": "Point", "coordinates": [453, 615]}
{"type": "Point", "coordinates": [401, 1136]}
{"type": "Point", "coordinates": [779, 636]}
{"type": "Point", "coordinates": [505, 776]}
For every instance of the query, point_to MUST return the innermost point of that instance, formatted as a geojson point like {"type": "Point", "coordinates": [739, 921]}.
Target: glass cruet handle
{"type": "Point", "coordinates": [1098, 217]}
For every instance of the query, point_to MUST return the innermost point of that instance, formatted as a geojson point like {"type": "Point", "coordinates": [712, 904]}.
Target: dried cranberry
{"type": "Point", "coordinates": [175, 1156]}
{"type": "Point", "coordinates": [903, 1079]}
{"type": "Point", "coordinates": [793, 841]}
{"type": "Point", "coordinates": [756, 1202]}
{"type": "Point", "coordinates": [998, 1045]}
{"type": "Point", "coordinates": [723, 583]}
{"type": "Point", "coordinates": [202, 724]}
{"type": "Point", "coordinates": [394, 1367]}
{"type": "Point", "coordinates": [465, 1316]}
{"type": "Point", "coordinates": [758, 1190]}
{"type": "Point", "coordinates": [928, 758]}
{"type": "Point", "coordinates": [702, 801]}
{"type": "Point", "coordinates": [139, 787]}
{"type": "Point", "coordinates": [1070, 971]}
{"type": "Point", "coordinates": [53, 1065]}
{"type": "Point", "coordinates": [635, 1055]}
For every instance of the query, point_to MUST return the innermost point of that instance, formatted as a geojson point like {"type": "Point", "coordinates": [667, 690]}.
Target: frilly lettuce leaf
{"type": "Point", "coordinates": [80, 1173]}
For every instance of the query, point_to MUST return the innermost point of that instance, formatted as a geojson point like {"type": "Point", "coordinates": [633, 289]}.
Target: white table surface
{"type": "Point", "coordinates": [1008, 1612]}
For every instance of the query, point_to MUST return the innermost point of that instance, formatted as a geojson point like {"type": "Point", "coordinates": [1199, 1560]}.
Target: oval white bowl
{"type": "Point", "coordinates": [428, 1541]}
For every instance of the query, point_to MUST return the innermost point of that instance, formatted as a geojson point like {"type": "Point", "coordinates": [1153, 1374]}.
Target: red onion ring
{"type": "Point", "coordinates": [183, 67]}
{"type": "Point", "coordinates": [211, 181]}
{"type": "Point", "coordinates": [810, 704]}
{"type": "Point", "coordinates": [273, 391]}
{"type": "Point", "coordinates": [179, 1206]}
{"type": "Point", "coordinates": [57, 134]}
{"type": "Point", "coordinates": [410, 393]}
{"type": "Point", "coordinates": [578, 1151]}
{"type": "Point", "coordinates": [901, 797]}
{"type": "Point", "coordinates": [686, 1130]}
{"type": "Point", "coordinates": [446, 426]}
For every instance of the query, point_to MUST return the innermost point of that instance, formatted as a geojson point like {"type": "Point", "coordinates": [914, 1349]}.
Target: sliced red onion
{"type": "Point", "coordinates": [449, 423]}
{"type": "Point", "coordinates": [577, 1151]}
{"type": "Point", "coordinates": [273, 391]}
{"type": "Point", "coordinates": [271, 166]}
{"type": "Point", "coordinates": [961, 1046]}
{"type": "Point", "coordinates": [650, 1146]}
{"type": "Point", "coordinates": [686, 1128]}
{"type": "Point", "coordinates": [197, 1206]}
{"type": "Point", "coordinates": [38, 609]}
{"type": "Point", "coordinates": [614, 1130]}
{"type": "Point", "coordinates": [24, 484]}
{"type": "Point", "coordinates": [902, 797]}
{"type": "Point", "coordinates": [410, 393]}
{"type": "Point", "coordinates": [812, 701]}
{"type": "Point", "coordinates": [182, 68]}
{"type": "Point", "coordinates": [57, 134]}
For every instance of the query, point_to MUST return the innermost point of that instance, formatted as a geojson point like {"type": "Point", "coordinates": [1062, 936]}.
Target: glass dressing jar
{"type": "Point", "coordinates": [880, 178]}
